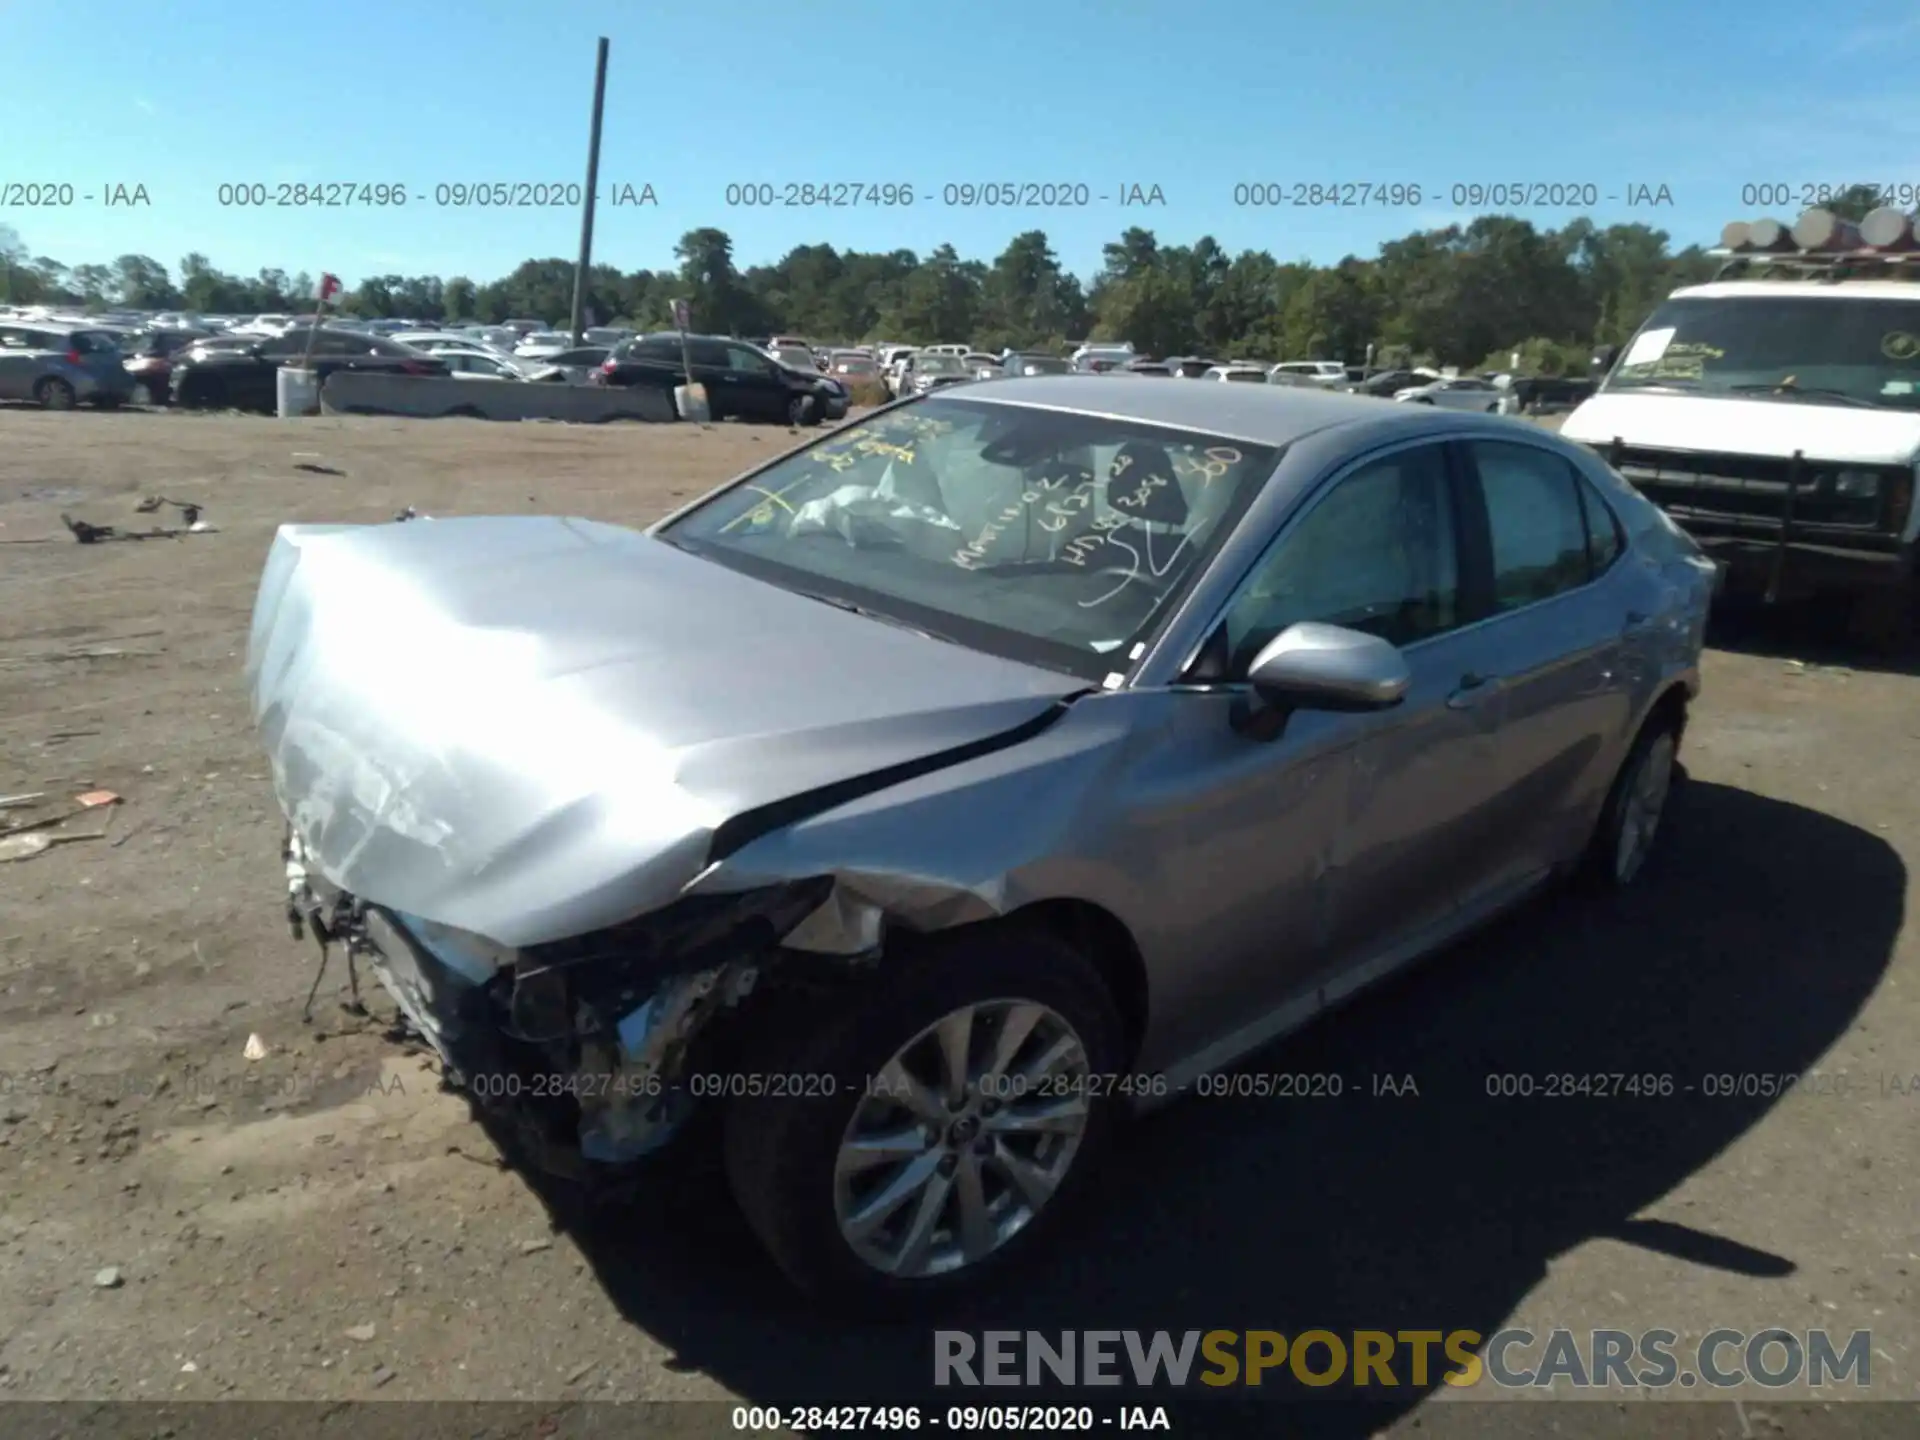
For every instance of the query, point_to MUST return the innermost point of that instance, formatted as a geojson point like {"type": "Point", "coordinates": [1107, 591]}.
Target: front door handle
{"type": "Point", "coordinates": [1473, 689]}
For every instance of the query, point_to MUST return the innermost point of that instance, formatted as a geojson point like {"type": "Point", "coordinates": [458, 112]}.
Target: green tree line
{"type": "Point", "coordinates": [1465, 295]}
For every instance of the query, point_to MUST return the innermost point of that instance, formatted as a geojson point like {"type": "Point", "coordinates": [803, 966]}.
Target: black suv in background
{"type": "Point", "coordinates": [741, 381]}
{"type": "Point", "coordinates": [207, 375]}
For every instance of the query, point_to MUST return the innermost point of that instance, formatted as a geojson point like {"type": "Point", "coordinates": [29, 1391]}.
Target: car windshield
{"type": "Point", "coordinates": [1864, 349]}
{"type": "Point", "coordinates": [855, 365]}
{"type": "Point", "coordinates": [940, 365]}
{"type": "Point", "coordinates": [1050, 537]}
{"type": "Point", "coordinates": [1042, 365]}
{"type": "Point", "coordinates": [1257, 377]}
{"type": "Point", "coordinates": [798, 359]}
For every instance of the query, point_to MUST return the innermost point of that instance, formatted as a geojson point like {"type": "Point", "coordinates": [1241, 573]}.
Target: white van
{"type": "Point", "coordinates": [1330, 373]}
{"type": "Point", "coordinates": [1775, 414]}
{"type": "Point", "coordinates": [1106, 355]}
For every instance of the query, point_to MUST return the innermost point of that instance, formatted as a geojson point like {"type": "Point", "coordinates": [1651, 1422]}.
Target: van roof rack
{"type": "Point", "coordinates": [1831, 266]}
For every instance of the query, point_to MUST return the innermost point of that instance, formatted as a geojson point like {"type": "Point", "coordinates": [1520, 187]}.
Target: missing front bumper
{"type": "Point", "coordinates": [577, 1093]}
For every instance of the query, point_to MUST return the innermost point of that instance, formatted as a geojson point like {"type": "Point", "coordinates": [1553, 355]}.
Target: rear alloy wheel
{"type": "Point", "coordinates": [948, 1112]}
{"type": "Point", "coordinates": [53, 393]}
{"type": "Point", "coordinates": [1637, 805]}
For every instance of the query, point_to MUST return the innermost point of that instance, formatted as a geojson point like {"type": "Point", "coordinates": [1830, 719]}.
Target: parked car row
{"type": "Point", "coordinates": [742, 381]}
{"type": "Point", "coordinates": [62, 360]}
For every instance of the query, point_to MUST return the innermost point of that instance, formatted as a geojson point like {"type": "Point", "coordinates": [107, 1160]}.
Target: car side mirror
{"type": "Point", "coordinates": [1604, 357]}
{"type": "Point", "coordinates": [1310, 666]}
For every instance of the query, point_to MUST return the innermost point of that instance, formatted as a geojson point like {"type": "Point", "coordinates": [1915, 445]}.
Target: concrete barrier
{"type": "Point", "coordinates": [348, 392]}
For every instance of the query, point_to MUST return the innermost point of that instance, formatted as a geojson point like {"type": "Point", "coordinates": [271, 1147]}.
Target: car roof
{"type": "Point", "coordinates": [1259, 414]}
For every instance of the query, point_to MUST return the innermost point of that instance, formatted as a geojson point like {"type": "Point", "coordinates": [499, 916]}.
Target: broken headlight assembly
{"type": "Point", "coordinates": [619, 1008]}
{"type": "Point", "coordinates": [696, 932]}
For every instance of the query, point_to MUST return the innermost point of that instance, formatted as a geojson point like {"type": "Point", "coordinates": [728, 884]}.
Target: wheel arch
{"type": "Point", "coordinates": [1672, 703]}
{"type": "Point", "coordinates": [1106, 943]}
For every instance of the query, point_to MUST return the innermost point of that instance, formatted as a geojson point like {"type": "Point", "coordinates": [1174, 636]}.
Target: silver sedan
{"type": "Point", "coordinates": [928, 799]}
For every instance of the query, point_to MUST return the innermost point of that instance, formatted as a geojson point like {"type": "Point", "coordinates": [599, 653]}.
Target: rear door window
{"type": "Point", "coordinates": [1604, 539]}
{"type": "Point", "coordinates": [1535, 522]}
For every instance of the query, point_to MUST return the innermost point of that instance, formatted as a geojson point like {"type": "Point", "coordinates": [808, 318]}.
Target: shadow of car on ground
{"type": "Point", "coordinates": [1437, 1211]}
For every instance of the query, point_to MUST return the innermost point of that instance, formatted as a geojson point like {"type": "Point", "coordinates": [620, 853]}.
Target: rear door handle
{"type": "Point", "coordinates": [1634, 623]}
{"type": "Point", "coordinates": [1473, 689]}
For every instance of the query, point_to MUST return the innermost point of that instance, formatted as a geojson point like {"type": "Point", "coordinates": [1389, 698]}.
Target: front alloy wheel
{"type": "Point", "coordinates": [937, 1117]}
{"type": "Point", "coordinates": [963, 1137]}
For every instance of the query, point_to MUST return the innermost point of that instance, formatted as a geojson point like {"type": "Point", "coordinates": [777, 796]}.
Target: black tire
{"type": "Point", "coordinates": [53, 393]}
{"type": "Point", "coordinates": [465, 412]}
{"type": "Point", "coordinates": [780, 1152]}
{"type": "Point", "coordinates": [1880, 621]}
{"type": "Point", "coordinates": [209, 394]}
{"type": "Point", "coordinates": [107, 402]}
{"type": "Point", "coordinates": [1602, 866]}
{"type": "Point", "coordinates": [1424, 400]}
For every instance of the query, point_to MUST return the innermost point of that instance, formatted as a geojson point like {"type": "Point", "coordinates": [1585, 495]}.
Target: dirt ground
{"type": "Point", "coordinates": [180, 1222]}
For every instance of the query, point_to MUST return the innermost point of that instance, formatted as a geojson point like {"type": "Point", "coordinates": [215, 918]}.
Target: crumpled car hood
{"type": "Point", "coordinates": [529, 728]}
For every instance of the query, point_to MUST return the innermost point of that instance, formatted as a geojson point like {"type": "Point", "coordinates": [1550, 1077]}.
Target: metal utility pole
{"type": "Point", "coordinates": [593, 182]}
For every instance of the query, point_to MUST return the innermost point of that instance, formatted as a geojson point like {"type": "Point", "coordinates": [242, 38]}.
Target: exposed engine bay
{"type": "Point", "coordinates": [587, 1047]}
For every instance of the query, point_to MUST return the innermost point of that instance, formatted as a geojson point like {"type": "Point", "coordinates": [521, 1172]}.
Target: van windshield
{"type": "Point", "coordinates": [1859, 349]}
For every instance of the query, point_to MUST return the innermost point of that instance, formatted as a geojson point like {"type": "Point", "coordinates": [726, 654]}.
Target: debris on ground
{"type": "Point", "coordinates": [534, 1247]}
{"type": "Point", "coordinates": [313, 469]}
{"type": "Point", "coordinates": [91, 652]}
{"type": "Point", "coordinates": [256, 1048]}
{"type": "Point", "coordinates": [88, 533]}
{"type": "Point", "coordinates": [108, 1278]}
{"type": "Point", "coordinates": [14, 802]}
{"type": "Point", "coordinates": [361, 1333]}
{"type": "Point", "coordinates": [189, 512]}
{"type": "Point", "coordinates": [24, 847]}
{"type": "Point", "coordinates": [24, 839]}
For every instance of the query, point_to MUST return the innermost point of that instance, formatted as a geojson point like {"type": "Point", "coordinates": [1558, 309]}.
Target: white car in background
{"type": "Point", "coordinates": [1243, 374]}
{"type": "Point", "coordinates": [474, 365]}
{"type": "Point", "coordinates": [435, 340]}
{"type": "Point", "coordinates": [1462, 393]}
{"type": "Point", "coordinates": [541, 344]}
{"type": "Point", "coordinates": [496, 337]}
{"type": "Point", "coordinates": [1330, 373]}
{"type": "Point", "coordinates": [795, 357]}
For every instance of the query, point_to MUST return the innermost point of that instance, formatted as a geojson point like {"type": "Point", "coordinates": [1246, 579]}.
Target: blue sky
{"type": "Point", "coordinates": [1191, 97]}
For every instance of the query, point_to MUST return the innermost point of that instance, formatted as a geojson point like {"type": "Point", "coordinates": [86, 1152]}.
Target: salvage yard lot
{"type": "Point", "coordinates": [324, 1222]}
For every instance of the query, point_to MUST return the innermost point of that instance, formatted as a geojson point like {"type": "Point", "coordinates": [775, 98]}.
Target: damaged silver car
{"type": "Point", "coordinates": [921, 802]}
